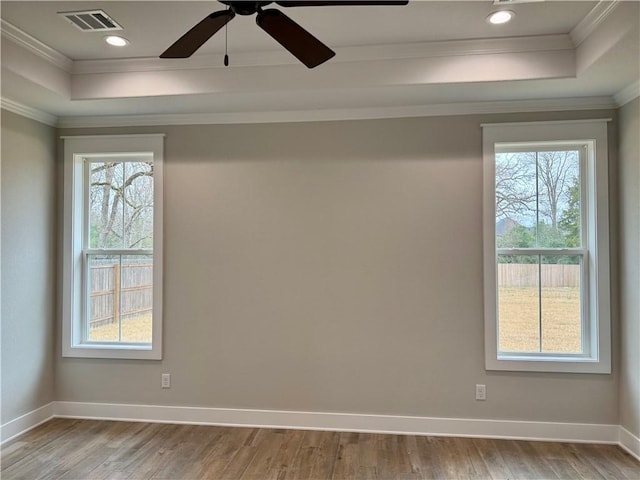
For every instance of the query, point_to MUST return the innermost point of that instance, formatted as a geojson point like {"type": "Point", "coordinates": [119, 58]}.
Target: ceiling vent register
{"type": "Point", "coordinates": [91, 21]}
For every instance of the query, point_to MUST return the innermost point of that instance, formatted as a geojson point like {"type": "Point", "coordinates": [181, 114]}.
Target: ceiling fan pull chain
{"type": "Point", "coordinates": [226, 56]}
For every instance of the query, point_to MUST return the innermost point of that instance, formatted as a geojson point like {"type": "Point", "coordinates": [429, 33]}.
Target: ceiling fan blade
{"type": "Point", "coordinates": [198, 35]}
{"type": "Point", "coordinates": [335, 3]}
{"type": "Point", "coordinates": [304, 46]}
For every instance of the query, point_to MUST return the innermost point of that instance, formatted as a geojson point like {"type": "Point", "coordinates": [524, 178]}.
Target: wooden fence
{"type": "Point", "coordinates": [526, 275]}
{"type": "Point", "coordinates": [127, 286]}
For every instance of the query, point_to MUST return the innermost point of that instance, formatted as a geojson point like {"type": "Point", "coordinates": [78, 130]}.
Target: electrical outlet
{"type": "Point", "coordinates": [481, 392]}
{"type": "Point", "coordinates": [166, 380]}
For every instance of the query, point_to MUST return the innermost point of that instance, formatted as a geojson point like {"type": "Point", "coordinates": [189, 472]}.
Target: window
{"type": "Point", "coordinates": [546, 257]}
{"type": "Point", "coordinates": [112, 306]}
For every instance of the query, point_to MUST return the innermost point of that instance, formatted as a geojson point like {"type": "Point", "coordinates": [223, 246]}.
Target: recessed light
{"type": "Point", "coordinates": [501, 16]}
{"type": "Point", "coordinates": [116, 41]}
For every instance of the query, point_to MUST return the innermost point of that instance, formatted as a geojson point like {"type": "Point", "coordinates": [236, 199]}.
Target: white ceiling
{"type": "Point", "coordinates": [424, 58]}
{"type": "Point", "coordinates": [153, 26]}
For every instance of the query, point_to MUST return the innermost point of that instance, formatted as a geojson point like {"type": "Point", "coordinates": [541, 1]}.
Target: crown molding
{"type": "Point", "coordinates": [542, 43]}
{"type": "Point", "coordinates": [627, 94]}
{"type": "Point", "coordinates": [35, 46]}
{"type": "Point", "coordinates": [591, 21]}
{"type": "Point", "coordinates": [271, 58]}
{"type": "Point", "coordinates": [468, 108]}
{"type": "Point", "coordinates": [29, 112]}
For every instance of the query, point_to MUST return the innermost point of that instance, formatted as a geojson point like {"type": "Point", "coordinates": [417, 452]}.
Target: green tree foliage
{"type": "Point", "coordinates": [523, 237]}
{"type": "Point", "coordinates": [549, 237]}
{"type": "Point", "coordinates": [570, 220]}
{"type": "Point", "coordinates": [517, 237]}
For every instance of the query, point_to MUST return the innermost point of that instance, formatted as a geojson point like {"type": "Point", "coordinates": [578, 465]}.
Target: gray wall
{"type": "Point", "coordinates": [629, 118]}
{"type": "Point", "coordinates": [28, 265]}
{"type": "Point", "coordinates": [335, 267]}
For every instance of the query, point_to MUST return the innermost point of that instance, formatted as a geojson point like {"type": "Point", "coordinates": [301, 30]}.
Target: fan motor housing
{"type": "Point", "coordinates": [245, 8]}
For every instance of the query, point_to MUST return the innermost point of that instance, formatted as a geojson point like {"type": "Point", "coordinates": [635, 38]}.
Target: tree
{"type": "Point", "coordinates": [549, 237]}
{"type": "Point", "coordinates": [517, 237]}
{"type": "Point", "coordinates": [121, 204]}
{"type": "Point", "coordinates": [555, 171]}
{"type": "Point", "coordinates": [515, 184]}
{"type": "Point", "coordinates": [570, 219]}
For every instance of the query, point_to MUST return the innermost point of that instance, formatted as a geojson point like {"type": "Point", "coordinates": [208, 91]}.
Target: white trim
{"type": "Point", "coordinates": [76, 148]}
{"type": "Point", "coordinates": [484, 46]}
{"type": "Point", "coordinates": [28, 112]}
{"type": "Point", "coordinates": [26, 422]}
{"type": "Point", "coordinates": [627, 94]}
{"type": "Point", "coordinates": [126, 135]}
{"type": "Point", "coordinates": [593, 133]}
{"type": "Point", "coordinates": [629, 442]}
{"type": "Point", "coordinates": [344, 422]}
{"type": "Point", "coordinates": [463, 108]}
{"type": "Point", "coordinates": [591, 21]}
{"type": "Point", "coordinates": [35, 46]}
{"type": "Point", "coordinates": [548, 122]}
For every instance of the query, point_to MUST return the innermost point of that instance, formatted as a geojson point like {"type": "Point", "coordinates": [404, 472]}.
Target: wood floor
{"type": "Point", "coordinates": [95, 450]}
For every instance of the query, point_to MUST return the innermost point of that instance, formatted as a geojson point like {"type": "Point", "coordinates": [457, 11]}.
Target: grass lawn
{"type": "Point", "coordinates": [136, 329]}
{"type": "Point", "coordinates": [518, 316]}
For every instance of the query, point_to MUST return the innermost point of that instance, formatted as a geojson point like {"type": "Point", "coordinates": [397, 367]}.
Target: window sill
{"type": "Point", "coordinates": [548, 364]}
{"type": "Point", "coordinates": [129, 352]}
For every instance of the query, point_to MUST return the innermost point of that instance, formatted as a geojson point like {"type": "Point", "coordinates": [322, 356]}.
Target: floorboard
{"type": "Point", "coordinates": [67, 449]}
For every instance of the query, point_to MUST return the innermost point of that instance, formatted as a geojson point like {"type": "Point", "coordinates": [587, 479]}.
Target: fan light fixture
{"type": "Point", "coordinates": [501, 16]}
{"type": "Point", "coordinates": [116, 41]}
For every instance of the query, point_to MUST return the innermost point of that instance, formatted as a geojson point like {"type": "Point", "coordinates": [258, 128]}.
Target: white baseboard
{"type": "Point", "coordinates": [26, 422]}
{"type": "Point", "coordinates": [523, 430]}
{"type": "Point", "coordinates": [629, 442]}
{"type": "Point", "coordinates": [346, 422]}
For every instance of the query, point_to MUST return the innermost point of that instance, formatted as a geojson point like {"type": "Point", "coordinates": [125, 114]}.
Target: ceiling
{"type": "Point", "coordinates": [153, 26]}
{"type": "Point", "coordinates": [421, 59]}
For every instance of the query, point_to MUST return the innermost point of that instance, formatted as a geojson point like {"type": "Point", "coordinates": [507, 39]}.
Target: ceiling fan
{"type": "Point", "coordinates": [304, 46]}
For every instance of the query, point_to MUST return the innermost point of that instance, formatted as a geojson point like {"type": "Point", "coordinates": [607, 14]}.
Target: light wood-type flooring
{"type": "Point", "coordinates": [93, 450]}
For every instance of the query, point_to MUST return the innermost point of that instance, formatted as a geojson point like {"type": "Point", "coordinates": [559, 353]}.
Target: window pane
{"type": "Point", "coordinates": [515, 199]}
{"type": "Point", "coordinates": [518, 303]}
{"type": "Point", "coordinates": [561, 304]}
{"type": "Point", "coordinates": [120, 298]}
{"type": "Point", "coordinates": [105, 205]}
{"type": "Point", "coordinates": [538, 199]}
{"type": "Point", "coordinates": [138, 205]}
{"type": "Point", "coordinates": [121, 204]}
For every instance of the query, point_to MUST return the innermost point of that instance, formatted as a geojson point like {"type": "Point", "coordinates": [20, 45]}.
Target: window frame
{"type": "Point", "coordinates": [595, 235]}
{"type": "Point", "coordinates": [75, 235]}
